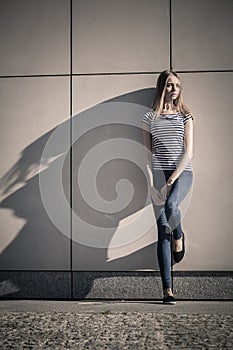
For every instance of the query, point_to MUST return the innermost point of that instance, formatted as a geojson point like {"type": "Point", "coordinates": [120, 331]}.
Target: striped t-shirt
{"type": "Point", "coordinates": [167, 132]}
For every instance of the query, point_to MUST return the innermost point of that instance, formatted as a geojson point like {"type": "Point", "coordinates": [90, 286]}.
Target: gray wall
{"type": "Point", "coordinates": [95, 101]}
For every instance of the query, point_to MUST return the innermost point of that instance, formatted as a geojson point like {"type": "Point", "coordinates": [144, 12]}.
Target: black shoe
{"type": "Point", "coordinates": [178, 256]}
{"type": "Point", "coordinates": [169, 300]}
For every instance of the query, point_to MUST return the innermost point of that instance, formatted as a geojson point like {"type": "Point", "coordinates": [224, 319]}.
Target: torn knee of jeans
{"type": "Point", "coordinates": [171, 206]}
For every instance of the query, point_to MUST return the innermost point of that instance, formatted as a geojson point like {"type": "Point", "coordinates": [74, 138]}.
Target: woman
{"type": "Point", "coordinates": [168, 133]}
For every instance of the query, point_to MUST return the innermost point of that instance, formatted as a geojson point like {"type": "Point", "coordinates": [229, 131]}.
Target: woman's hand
{"type": "Point", "coordinates": [165, 191]}
{"type": "Point", "coordinates": [158, 197]}
{"type": "Point", "coordinates": [171, 181]}
{"type": "Point", "coordinates": [149, 175]}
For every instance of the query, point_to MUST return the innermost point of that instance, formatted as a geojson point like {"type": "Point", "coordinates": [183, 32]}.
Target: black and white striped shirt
{"type": "Point", "coordinates": [167, 132]}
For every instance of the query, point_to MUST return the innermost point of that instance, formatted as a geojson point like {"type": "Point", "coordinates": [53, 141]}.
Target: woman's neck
{"type": "Point", "coordinates": [169, 107]}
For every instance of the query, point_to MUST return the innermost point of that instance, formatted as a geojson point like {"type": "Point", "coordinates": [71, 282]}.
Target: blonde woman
{"type": "Point", "coordinates": [168, 133]}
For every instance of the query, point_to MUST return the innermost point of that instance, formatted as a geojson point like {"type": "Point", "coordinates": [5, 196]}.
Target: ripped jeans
{"type": "Point", "coordinates": [168, 217]}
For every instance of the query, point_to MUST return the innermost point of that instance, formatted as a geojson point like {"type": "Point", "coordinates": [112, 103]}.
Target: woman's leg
{"type": "Point", "coordinates": [164, 256]}
{"type": "Point", "coordinates": [178, 192]}
{"type": "Point", "coordinates": [163, 247]}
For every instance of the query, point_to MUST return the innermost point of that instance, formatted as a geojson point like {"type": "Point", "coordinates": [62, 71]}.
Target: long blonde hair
{"type": "Point", "coordinates": [158, 102]}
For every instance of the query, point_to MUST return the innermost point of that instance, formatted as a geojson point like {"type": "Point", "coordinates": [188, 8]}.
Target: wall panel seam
{"type": "Point", "coordinates": [170, 34]}
{"type": "Point", "coordinates": [111, 74]}
{"type": "Point", "coordinates": [71, 148]}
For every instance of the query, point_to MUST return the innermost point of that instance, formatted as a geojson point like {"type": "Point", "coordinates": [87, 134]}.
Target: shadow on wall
{"type": "Point", "coordinates": [107, 149]}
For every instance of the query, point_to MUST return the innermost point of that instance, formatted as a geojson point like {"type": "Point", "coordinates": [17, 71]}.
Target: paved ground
{"type": "Point", "coordinates": [115, 325]}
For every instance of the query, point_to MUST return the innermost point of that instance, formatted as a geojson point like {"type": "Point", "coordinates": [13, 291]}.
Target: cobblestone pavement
{"type": "Point", "coordinates": [114, 330]}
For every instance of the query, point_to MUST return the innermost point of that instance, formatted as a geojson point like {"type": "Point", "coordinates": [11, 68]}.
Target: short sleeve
{"type": "Point", "coordinates": [147, 118]}
{"type": "Point", "coordinates": [187, 116]}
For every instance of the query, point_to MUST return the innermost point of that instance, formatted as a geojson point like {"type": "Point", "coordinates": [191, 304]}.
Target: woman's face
{"type": "Point", "coordinates": [172, 89]}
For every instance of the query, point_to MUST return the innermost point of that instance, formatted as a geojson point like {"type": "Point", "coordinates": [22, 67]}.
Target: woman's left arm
{"type": "Point", "coordinates": [188, 152]}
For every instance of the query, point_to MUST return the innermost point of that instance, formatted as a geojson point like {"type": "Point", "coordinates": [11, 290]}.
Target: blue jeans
{"type": "Point", "coordinates": [168, 218]}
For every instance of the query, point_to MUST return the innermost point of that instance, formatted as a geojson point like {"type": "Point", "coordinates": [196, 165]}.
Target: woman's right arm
{"type": "Point", "coordinates": [157, 197]}
{"type": "Point", "coordinates": [147, 141]}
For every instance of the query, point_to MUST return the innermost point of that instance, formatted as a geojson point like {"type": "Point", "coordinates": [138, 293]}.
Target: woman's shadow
{"type": "Point", "coordinates": [40, 244]}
